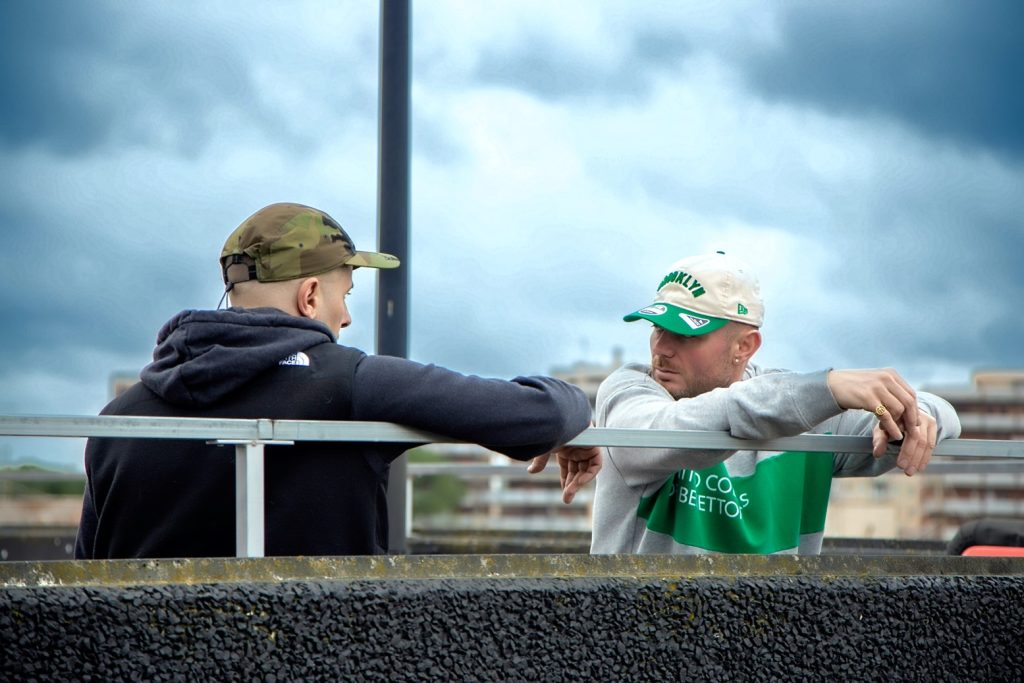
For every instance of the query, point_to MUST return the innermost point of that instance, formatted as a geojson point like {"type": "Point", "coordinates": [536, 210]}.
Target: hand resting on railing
{"type": "Point", "coordinates": [577, 466]}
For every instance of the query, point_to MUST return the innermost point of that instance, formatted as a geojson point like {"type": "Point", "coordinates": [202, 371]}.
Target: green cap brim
{"type": "Point", "coordinates": [372, 259]}
{"type": "Point", "coordinates": [676, 319]}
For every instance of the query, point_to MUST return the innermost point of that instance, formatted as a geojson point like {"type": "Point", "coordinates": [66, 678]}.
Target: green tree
{"type": "Point", "coordinates": [40, 481]}
{"type": "Point", "coordinates": [434, 494]}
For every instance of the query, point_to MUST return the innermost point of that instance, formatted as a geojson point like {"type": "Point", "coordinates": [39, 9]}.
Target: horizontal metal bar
{"type": "Point", "coordinates": [973, 466]}
{"type": "Point", "coordinates": [981, 448]}
{"type": "Point", "coordinates": [366, 432]}
{"type": "Point", "coordinates": [128, 426]}
{"type": "Point", "coordinates": [821, 443]}
{"type": "Point", "coordinates": [384, 432]}
{"type": "Point", "coordinates": [211, 429]}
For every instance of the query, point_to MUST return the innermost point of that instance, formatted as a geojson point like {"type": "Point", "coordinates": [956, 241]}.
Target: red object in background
{"type": "Point", "coordinates": [993, 551]}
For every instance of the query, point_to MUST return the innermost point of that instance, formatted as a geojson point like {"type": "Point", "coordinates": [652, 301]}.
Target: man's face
{"type": "Point", "coordinates": [690, 366]}
{"type": "Point", "coordinates": [336, 286]}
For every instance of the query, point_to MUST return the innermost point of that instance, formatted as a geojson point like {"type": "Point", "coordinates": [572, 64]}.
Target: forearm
{"type": "Point", "coordinates": [520, 418]}
{"type": "Point", "coordinates": [768, 406]}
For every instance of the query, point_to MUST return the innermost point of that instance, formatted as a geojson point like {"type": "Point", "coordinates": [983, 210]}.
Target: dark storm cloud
{"type": "Point", "coordinates": [937, 294]}
{"type": "Point", "coordinates": [951, 69]}
{"type": "Point", "coordinates": [68, 288]}
{"type": "Point", "coordinates": [79, 75]}
{"type": "Point", "coordinates": [43, 78]}
{"type": "Point", "coordinates": [997, 272]}
{"type": "Point", "coordinates": [551, 70]}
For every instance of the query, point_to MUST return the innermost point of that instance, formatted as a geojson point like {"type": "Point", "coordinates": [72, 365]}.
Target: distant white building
{"type": "Point", "coordinates": [121, 382]}
{"type": "Point", "coordinates": [991, 407]}
{"type": "Point", "coordinates": [587, 375]}
{"type": "Point", "coordinates": [884, 507]}
{"type": "Point", "coordinates": [935, 505]}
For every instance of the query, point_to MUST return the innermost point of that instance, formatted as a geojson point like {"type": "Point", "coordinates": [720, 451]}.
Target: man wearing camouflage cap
{"type": "Point", "coordinates": [287, 270]}
{"type": "Point", "coordinates": [706, 319]}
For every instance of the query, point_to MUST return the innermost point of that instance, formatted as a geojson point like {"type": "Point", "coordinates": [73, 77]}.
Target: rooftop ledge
{"type": "Point", "coordinates": [562, 617]}
{"type": "Point", "coordinates": [548, 566]}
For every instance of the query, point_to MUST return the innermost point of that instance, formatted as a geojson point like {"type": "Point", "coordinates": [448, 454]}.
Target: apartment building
{"type": "Point", "coordinates": [990, 407]}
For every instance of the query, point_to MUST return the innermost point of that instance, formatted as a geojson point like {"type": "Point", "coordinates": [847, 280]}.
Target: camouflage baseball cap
{"type": "Point", "coordinates": [290, 241]}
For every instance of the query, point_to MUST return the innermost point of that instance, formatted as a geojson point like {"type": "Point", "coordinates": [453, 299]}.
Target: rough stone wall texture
{"type": "Point", "coordinates": [741, 628]}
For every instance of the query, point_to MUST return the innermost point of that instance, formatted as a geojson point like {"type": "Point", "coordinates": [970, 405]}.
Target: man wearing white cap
{"type": "Point", "coordinates": [706, 316]}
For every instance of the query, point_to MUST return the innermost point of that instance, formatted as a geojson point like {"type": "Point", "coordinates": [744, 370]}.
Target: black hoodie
{"type": "Point", "coordinates": [175, 498]}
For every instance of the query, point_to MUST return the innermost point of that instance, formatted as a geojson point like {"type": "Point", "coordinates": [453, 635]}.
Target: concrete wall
{"type": "Point", "coordinates": [522, 617]}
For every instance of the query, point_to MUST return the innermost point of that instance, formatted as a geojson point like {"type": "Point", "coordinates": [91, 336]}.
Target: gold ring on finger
{"type": "Point", "coordinates": [881, 410]}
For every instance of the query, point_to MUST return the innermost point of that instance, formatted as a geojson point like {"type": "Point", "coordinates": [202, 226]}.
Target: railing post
{"type": "Point", "coordinates": [249, 532]}
{"type": "Point", "coordinates": [408, 503]}
{"type": "Point", "coordinates": [250, 512]}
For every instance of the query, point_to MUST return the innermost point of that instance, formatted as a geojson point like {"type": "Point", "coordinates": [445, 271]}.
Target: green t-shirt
{"type": "Point", "coordinates": [765, 512]}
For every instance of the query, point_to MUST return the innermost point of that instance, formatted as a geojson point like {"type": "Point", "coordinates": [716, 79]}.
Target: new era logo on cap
{"type": "Point", "coordinates": [702, 294]}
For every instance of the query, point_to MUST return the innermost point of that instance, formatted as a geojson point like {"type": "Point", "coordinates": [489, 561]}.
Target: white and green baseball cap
{"type": "Point", "coordinates": [700, 294]}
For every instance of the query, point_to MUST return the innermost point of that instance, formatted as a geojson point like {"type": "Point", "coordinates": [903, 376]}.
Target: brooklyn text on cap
{"type": "Point", "coordinates": [702, 293]}
{"type": "Point", "coordinates": [290, 241]}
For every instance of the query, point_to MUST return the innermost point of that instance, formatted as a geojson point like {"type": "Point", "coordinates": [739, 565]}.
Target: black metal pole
{"type": "Point", "coordinates": [393, 222]}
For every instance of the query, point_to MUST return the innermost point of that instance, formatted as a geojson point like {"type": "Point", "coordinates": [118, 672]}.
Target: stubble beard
{"type": "Point", "coordinates": [694, 387]}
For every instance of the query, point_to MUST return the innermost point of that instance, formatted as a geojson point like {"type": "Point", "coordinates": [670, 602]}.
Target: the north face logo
{"type": "Point", "coordinates": [296, 359]}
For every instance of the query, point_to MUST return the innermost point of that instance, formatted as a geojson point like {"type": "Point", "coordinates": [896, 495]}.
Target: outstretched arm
{"type": "Point", "coordinates": [762, 407]}
{"type": "Point", "coordinates": [771, 405]}
{"type": "Point", "coordinates": [521, 418]}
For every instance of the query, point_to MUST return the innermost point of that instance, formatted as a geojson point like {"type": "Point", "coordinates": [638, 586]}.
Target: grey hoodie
{"type": "Point", "coordinates": [689, 501]}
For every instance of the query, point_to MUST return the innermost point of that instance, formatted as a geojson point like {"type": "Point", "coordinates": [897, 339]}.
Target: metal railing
{"type": "Point", "coordinates": [251, 436]}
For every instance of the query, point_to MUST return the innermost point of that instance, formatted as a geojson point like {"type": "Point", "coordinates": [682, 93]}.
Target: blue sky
{"type": "Point", "coordinates": [867, 158]}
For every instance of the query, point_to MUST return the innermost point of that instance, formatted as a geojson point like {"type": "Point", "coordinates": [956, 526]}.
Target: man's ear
{"type": "Point", "coordinates": [307, 297]}
{"type": "Point", "coordinates": [747, 343]}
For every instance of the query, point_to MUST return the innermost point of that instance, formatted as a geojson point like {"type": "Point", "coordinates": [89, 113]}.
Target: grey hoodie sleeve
{"type": "Point", "coordinates": [521, 418]}
{"type": "Point", "coordinates": [861, 423]}
{"type": "Point", "coordinates": [763, 407]}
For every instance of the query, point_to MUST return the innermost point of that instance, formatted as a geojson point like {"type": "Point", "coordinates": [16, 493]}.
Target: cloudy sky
{"type": "Point", "coordinates": [867, 158]}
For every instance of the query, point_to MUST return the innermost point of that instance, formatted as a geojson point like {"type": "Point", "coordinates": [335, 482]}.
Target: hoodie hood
{"type": "Point", "coordinates": [202, 356]}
